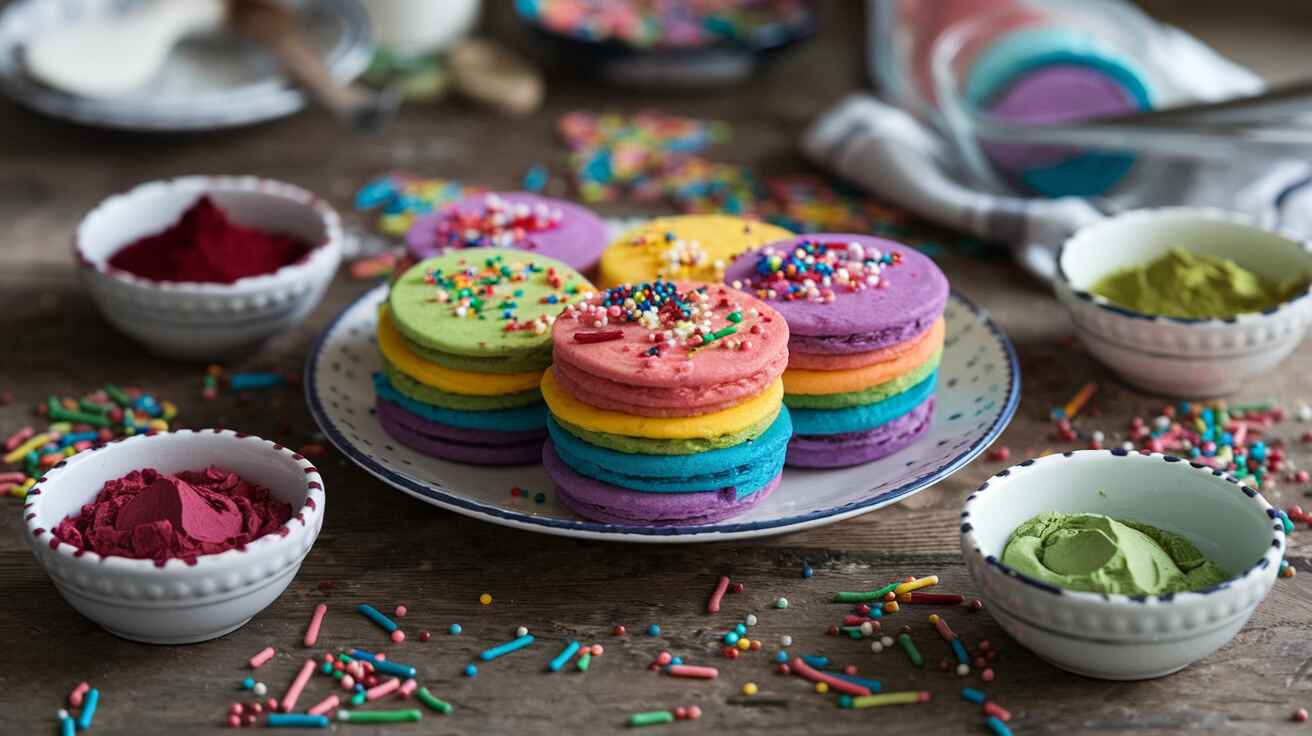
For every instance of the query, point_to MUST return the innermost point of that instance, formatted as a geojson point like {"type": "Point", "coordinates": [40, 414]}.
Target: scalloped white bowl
{"type": "Point", "coordinates": [1117, 637]}
{"type": "Point", "coordinates": [176, 603]}
{"type": "Point", "coordinates": [195, 321]}
{"type": "Point", "coordinates": [1183, 357]}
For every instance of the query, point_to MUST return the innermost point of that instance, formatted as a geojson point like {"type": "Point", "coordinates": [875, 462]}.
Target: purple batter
{"type": "Point", "coordinates": [577, 238]}
{"type": "Point", "coordinates": [1053, 94]}
{"type": "Point", "coordinates": [471, 446]}
{"type": "Point", "coordinates": [600, 501]}
{"type": "Point", "coordinates": [855, 448]}
{"type": "Point", "coordinates": [858, 321]}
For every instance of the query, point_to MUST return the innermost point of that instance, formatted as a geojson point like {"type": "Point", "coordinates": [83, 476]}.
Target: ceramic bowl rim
{"type": "Point", "coordinates": [1275, 548]}
{"type": "Point", "coordinates": [204, 183]}
{"type": "Point", "coordinates": [1210, 214]}
{"type": "Point", "coordinates": [269, 543]}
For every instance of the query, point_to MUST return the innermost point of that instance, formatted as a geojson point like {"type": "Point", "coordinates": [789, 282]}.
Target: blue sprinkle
{"type": "Point", "coordinates": [975, 696]}
{"type": "Point", "coordinates": [455, 629]}
{"type": "Point", "coordinates": [375, 194]}
{"type": "Point", "coordinates": [248, 683]}
{"type": "Point", "coordinates": [807, 571]}
{"type": "Point", "coordinates": [731, 638]}
{"type": "Point", "coordinates": [535, 179]}
{"type": "Point", "coordinates": [676, 660]}
{"type": "Point", "coordinates": [540, 498]}
{"type": "Point", "coordinates": [781, 656]}
{"type": "Point", "coordinates": [470, 670]}
{"type": "Point", "coordinates": [741, 629]}
{"type": "Point", "coordinates": [654, 630]}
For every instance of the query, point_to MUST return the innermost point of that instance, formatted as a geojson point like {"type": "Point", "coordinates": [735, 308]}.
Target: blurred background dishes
{"type": "Point", "coordinates": [210, 81]}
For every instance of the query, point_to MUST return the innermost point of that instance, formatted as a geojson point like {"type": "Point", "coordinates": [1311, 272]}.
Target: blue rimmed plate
{"type": "Point", "coordinates": [979, 388]}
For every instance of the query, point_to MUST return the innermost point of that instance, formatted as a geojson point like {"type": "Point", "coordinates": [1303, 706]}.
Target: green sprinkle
{"type": "Point", "coordinates": [93, 407]}
{"type": "Point", "coordinates": [441, 706]}
{"type": "Point", "coordinates": [735, 317]}
{"type": "Point", "coordinates": [863, 597]}
{"type": "Point", "coordinates": [584, 660]}
{"type": "Point", "coordinates": [380, 716]}
{"type": "Point", "coordinates": [357, 699]}
{"type": "Point", "coordinates": [117, 395]}
{"type": "Point", "coordinates": [909, 647]}
{"type": "Point", "coordinates": [59, 413]}
{"type": "Point", "coordinates": [651, 718]}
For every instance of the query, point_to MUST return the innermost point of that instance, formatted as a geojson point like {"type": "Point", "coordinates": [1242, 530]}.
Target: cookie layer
{"type": "Point", "coordinates": [554, 228]}
{"type": "Point", "coordinates": [862, 418]}
{"type": "Point", "coordinates": [854, 448]}
{"type": "Point", "coordinates": [747, 465]}
{"type": "Point", "coordinates": [484, 302]}
{"type": "Point", "coordinates": [859, 379]}
{"type": "Point", "coordinates": [447, 400]}
{"type": "Point", "coordinates": [849, 361]}
{"type": "Point", "coordinates": [684, 446]}
{"type": "Point", "coordinates": [468, 451]}
{"type": "Point", "coordinates": [727, 421]}
{"type": "Point", "coordinates": [679, 401]}
{"type": "Point", "coordinates": [879, 292]}
{"type": "Point", "coordinates": [686, 247]}
{"type": "Point", "coordinates": [871, 395]}
{"type": "Point", "coordinates": [594, 499]}
{"type": "Point", "coordinates": [399, 355]}
{"type": "Point", "coordinates": [518, 419]}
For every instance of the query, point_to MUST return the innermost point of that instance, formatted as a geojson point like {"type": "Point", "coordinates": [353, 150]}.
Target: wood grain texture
{"type": "Point", "coordinates": [385, 548]}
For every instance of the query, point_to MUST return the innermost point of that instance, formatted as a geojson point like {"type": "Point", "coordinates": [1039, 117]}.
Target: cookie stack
{"type": "Point", "coordinates": [866, 322]}
{"type": "Point", "coordinates": [665, 404]}
{"type": "Point", "coordinates": [465, 338]}
{"type": "Point", "coordinates": [682, 248]}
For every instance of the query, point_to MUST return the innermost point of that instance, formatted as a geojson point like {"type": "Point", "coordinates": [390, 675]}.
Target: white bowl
{"type": "Point", "coordinates": [176, 603]}
{"type": "Point", "coordinates": [1169, 355]}
{"type": "Point", "coordinates": [208, 321]}
{"type": "Point", "coordinates": [1117, 637]}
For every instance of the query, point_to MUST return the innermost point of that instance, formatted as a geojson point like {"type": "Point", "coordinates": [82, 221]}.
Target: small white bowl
{"type": "Point", "coordinates": [1117, 637]}
{"type": "Point", "coordinates": [176, 603]}
{"type": "Point", "coordinates": [195, 321]}
{"type": "Point", "coordinates": [1194, 358]}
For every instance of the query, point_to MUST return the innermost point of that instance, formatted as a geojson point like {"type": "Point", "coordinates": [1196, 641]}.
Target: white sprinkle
{"type": "Point", "coordinates": [751, 619]}
{"type": "Point", "coordinates": [867, 628]}
{"type": "Point", "coordinates": [521, 631]}
{"type": "Point", "coordinates": [887, 641]}
{"type": "Point", "coordinates": [963, 670]}
{"type": "Point", "coordinates": [876, 647]}
{"type": "Point", "coordinates": [260, 690]}
{"type": "Point", "coordinates": [785, 641]}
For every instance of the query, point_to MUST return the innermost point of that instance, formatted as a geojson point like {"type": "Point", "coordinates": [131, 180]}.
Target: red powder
{"type": "Point", "coordinates": [206, 247]}
{"type": "Point", "coordinates": [149, 515]}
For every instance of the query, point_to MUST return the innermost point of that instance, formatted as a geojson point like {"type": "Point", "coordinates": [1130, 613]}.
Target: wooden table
{"type": "Point", "coordinates": [381, 546]}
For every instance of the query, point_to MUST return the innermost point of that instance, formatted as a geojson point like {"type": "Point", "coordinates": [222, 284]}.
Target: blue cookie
{"type": "Point", "coordinates": [749, 465]}
{"type": "Point", "coordinates": [807, 422]}
{"type": "Point", "coordinates": [519, 419]}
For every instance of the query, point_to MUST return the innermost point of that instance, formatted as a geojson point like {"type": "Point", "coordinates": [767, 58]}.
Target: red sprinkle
{"type": "Point", "coordinates": [598, 336]}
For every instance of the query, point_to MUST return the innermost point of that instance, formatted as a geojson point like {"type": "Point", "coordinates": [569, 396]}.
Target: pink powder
{"type": "Point", "coordinates": [147, 515]}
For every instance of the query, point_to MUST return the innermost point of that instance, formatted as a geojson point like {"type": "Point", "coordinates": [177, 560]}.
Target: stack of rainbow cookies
{"type": "Point", "coordinates": [665, 404]}
{"type": "Point", "coordinates": [465, 338]}
{"type": "Point", "coordinates": [866, 319]}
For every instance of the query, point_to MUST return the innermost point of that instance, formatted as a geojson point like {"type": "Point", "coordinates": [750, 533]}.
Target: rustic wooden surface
{"type": "Point", "coordinates": [381, 546]}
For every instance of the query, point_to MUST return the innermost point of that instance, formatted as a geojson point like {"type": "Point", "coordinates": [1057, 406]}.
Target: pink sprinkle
{"type": "Point", "coordinates": [298, 685]}
{"type": "Point", "coordinates": [694, 712]}
{"type": "Point", "coordinates": [316, 621]}
{"type": "Point", "coordinates": [261, 658]}
{"type": "Point", "coordinates": [234, 721]}
{"type": "Point", "coordinates": [401, 611]}
{"type": "Point", "coordinates": [397, 636]}
{"type": "Point", "coordinates": [75, 697]}
{"type": "Point", "coordinates": [408, 688]}
{"type": "Point", "coordinates": [701, 673]}
{"type": "Point", "coordinates": [378, 691]}
{"type": "Point", "coordinates": [664, 658]}
{"type": "Point", "coordinates": [802, 669]}
{"type": "Point", "coordinates": [713, 605]}
{"type": "Point", "coordinates": [324, 706]}
{"type": "Point", "coordinates": [987, 675]}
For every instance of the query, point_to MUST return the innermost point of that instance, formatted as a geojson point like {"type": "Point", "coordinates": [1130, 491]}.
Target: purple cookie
{"type": "Point", "coordinates": [909, 296]}
{"type": "Point", "coordinates": [1054, 94]}
{"type": "Point", "coordinates": [469, 450]}
{"type": "Point", "coordinates": [854, 448]}
{"type": "Point", "coordinates": [553, 227]}
{"type": "Point", "coordinates": [611, 504]}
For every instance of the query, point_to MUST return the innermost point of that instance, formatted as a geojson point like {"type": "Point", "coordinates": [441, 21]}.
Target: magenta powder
{"type": "Point", "coordinates": [148, 515]}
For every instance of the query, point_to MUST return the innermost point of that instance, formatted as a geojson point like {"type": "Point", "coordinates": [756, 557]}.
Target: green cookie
{"type": "Point", "coordinates": [872, 395]}
{"type": "Point", "coordinates": [648, 446]}
{"type": "Point", "coordinates": [407, 386]}
{"type": "Point", "coordinates": [486, 304]}
{"type": "Point", "coordinates": [518, 363]}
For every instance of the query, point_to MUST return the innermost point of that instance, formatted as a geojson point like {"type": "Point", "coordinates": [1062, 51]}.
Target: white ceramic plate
{"type": "Point", "coordinates": [208, 82]}
{"type": "Point", "coordinates": [979, 387]}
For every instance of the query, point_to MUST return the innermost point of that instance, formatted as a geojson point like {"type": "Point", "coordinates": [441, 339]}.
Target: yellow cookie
{"type": "Point", "coordinates": [800, 381]}
{"type": "Point", "coordinates": [700, 248]}
{"type": "Point", "coordinates": [727, 421]}
{"type": "Point", "coordinates": [395, 350]}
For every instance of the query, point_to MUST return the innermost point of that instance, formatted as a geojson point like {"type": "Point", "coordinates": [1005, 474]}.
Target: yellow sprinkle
{"type": "Point", "coordinates": [750, 689]}
{"type": "Point", "coordinates": [485, 599]}
{"type": "Point", "coordinates": [917, 584]}
{"type": "Point", "coordinates": [744, 644]}
{"type": "Point", "coordinates": [29, 446]}
{"type": "Point", "coordinates": [822, 687]}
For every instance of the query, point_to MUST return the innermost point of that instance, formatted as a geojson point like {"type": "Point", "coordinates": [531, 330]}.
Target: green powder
{"type": "Point", "coordinates": [1099, 554]}
{"type": "Point", "coordinates": [1184, 284]}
